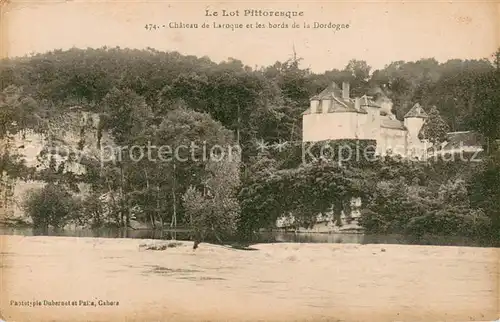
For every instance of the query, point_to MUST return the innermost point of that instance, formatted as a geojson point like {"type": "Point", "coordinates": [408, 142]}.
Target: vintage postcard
{"type": "Point", "coordinates": [249, 161]}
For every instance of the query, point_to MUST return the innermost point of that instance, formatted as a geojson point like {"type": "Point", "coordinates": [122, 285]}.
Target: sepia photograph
{"type": "Point", "coordinates": [249, 161]}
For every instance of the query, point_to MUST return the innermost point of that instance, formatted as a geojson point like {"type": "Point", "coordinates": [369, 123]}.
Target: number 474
{"type": "Point", "coordinates": [150, 26]}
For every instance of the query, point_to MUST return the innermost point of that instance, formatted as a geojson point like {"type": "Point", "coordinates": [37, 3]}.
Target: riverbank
{"type": "Point", "coordinates": [264, 237]}
{"type": "Point", "coordinates": [274, 282]}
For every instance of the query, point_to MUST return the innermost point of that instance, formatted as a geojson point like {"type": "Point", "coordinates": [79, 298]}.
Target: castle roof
{"type": "Point", "coordinates": [392, 124]}
{"type": "Point", "coordinates": [416, 111]}
{"type": "Point", "coordinates": [339, 105]}
{"type": "Point", "coordinates": [327, 93]}
{"type": "Point", "coordinates": [367, 101]}
{"type": "Point", "coordinates": [462, 139]}
{"type": "Point", "coordinates": [334, 94]}
{"type": "Point", "coordinates": [358, 105]}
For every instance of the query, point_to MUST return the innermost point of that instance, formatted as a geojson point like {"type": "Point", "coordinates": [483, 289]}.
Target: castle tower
{"type": "Point", "coordinates": [413, 121]}
{"type": "Point", "coordinates": [372, 123]}
{"type": "Point", "coordinates": [385, 105]}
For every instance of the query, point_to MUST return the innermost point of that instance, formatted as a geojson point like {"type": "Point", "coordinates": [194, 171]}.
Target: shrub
{"type": "Point", "coordinates": [51, 206]}
{"type": "Point", "coordinates": [417, 210]}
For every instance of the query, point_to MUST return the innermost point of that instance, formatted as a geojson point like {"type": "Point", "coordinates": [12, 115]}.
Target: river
{"type": "Point", "coordinates": [263, 237]}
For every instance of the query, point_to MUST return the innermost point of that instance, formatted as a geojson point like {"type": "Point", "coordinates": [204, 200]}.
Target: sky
{"type": "Point", "coordinates": [379, 32]}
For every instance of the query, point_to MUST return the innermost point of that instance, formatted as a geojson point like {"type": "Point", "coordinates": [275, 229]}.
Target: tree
{"type": "Point", "coordinates": [357, 72]}
{"type": "Point", "coordinates": [166, 98]}
{"type": "Point", "coordinates": [486, 114]}
{"type": "Point", "coordinates": [18, 111]}
{"type": "Point", "coordinates": [52, 206]}
{"type": "Point", "coordinates": [126, 114]}
{"type": "Point", "coordinates": [435, 128]}
{"type": "Point", "coordinates": [319, 187]}
{"type": "Point", "coordinates": [496, 60]}
{"type": "Point", "coordinates": [214, 211]}
{"type": "Point", "coordinates": [484, 190]}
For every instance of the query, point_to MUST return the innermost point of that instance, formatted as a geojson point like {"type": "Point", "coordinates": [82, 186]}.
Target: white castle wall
{"type": "Point", "coordinates": [393, 140]}
{"type": "Point", "coordinates": [331, 126]}
{"type": "Point", "coordinates": [348, 125]}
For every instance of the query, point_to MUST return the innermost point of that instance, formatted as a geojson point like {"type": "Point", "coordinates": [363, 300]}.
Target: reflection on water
{"type": "Point", "coordinates": [353, 238]}
{"type": "Point", "coordinates": [265, 237]}
{"type": "Point", "coordinates": [102, 232]}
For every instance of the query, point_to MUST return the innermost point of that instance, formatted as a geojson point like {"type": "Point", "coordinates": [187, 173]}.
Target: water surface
{"type": "Point", "coordinates": [263, 237]}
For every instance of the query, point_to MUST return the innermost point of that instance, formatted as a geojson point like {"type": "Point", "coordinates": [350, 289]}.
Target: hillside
{"type": "Point", "coordinates": [83, 103]}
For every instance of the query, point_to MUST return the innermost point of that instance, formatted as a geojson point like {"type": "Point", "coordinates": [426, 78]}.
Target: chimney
{"type": "Point", "coordinates": [314, 106]}
{"type": "Point", "coordinates": [345, 90]}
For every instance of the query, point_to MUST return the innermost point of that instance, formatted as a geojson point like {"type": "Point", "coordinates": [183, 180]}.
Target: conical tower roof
{"type": "Point", "coordinates": [416, 111]}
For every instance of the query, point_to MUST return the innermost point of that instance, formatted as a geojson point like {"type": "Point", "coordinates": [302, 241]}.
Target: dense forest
{"type": "Point", "coordinates": [170, 99]}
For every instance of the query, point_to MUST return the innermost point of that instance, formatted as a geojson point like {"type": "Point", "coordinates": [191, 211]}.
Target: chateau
{"type": "Point", "coordinates": [334, 115]}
